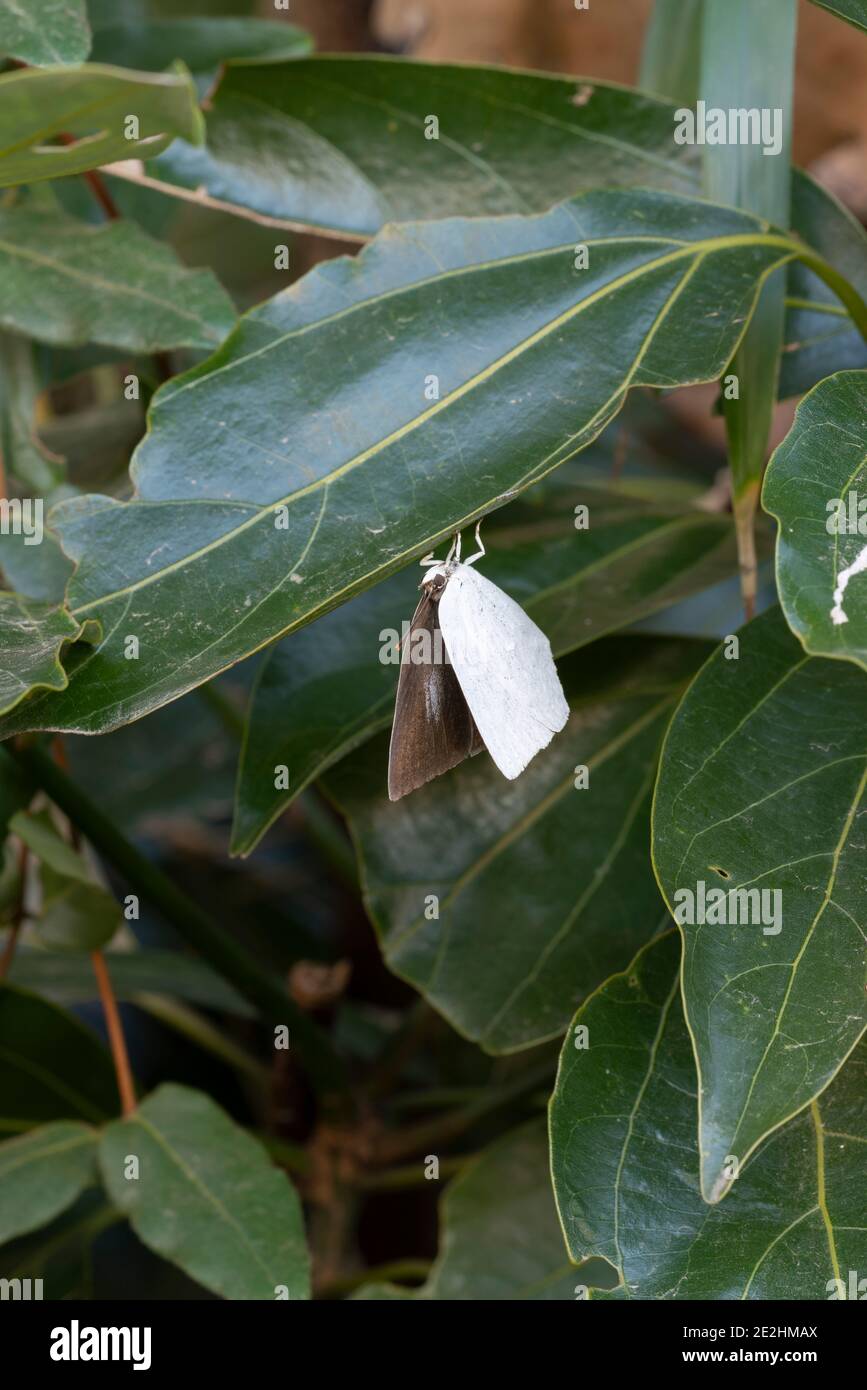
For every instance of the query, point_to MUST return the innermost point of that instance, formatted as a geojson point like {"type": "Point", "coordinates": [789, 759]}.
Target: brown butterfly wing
{"type": "Point", "coordinates": [433, 729]}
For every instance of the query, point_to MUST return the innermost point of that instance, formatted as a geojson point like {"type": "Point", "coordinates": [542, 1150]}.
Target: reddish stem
{"type": "Point", "coordinates": [116, 1039]}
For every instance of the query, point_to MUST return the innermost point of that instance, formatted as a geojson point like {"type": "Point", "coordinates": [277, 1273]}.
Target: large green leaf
{"type": "Point", "coordinates": [339, 143]}
{"type": "Point", "coordinates": [446, 870]}
{"type": "Point", "coordinates": [319, 145]}
{"type": "Point", "coordinates": [76, 913]}
{"type": "Point", "coordinates": [207, 1197]}
{"type": "Point", "coordinates": [63, 281]}
{"type": "Point", "coordinates": [762, 786]}
{"type": "Point", "coordinates": [34, 634]}
{"type": "Point", "coordinates": [637, 556]}
{"type": "Point", "coordinates": [814, 484]}
{"type": "Point", "coordinates": [44, 32]}
{"type": "Point", "coordinates": [92, 103]}
{"type": "Point", "coordinates": [42, 1173]}
{"type": "Point", "coordinates": [625, 1160]}
{"type": "Point", "coordinates": [276, 481]}
{"type": "Point", "coordinates": [51, 1066]}
{"type": "Point", "coordinates": [202, 44]}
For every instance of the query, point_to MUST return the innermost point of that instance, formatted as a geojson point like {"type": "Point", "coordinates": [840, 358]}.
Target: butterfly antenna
{"type": "Point", "coordinates": [481, 551]}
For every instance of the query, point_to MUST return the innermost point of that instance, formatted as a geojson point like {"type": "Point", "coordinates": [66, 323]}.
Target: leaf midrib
{"type": "Point", "coordinates": [699, 250]}
{"type": "Point", "coordinates": [198, 1185]}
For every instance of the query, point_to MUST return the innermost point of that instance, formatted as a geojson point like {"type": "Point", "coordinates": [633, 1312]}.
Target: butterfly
{"type": "Point", "coordinates": [476, 673]}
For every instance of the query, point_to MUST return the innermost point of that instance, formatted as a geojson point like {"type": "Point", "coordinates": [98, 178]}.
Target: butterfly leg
{"type": "Point", "coordinates": [471, 560]}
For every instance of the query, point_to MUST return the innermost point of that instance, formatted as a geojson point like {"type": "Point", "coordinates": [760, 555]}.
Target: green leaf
{"type": "Point", "coordinates": [761, 786]}
{"type": "Point", "coordinates": [260, 461]}
{"type": "Point", "coordinates": [70, 980]}
{"type": "Point", "coordinates": [820, 337]}
{"type": "Point", "coordinates": [855, 11]}
{"type": "Point", "coordinates": [25, 457]}
{"type": "Point", "coordinates": [203, 45]}
{"type": "Point", "coordinates": [91, 103]}
{"type": "Point", "coordinates": [445, 870]}
{"type": "Point", "coordinates": [815, 482]}
{"type": "Point", "coordinates": [33, 634]}
{"type": "Point", "coordinates": [51, 1066]}
{"type": "Point", "coordinates": [317, 142]}
{"type": "Point", "coordinates": [63, 281]}
{"type": "Point", "coordinates": [43, 32]}
{"type": "Point", "coordinates": [207, 1197]}
{"type": "Point", "coordinates": [42, 1173]}
{"type": "Point", "coordinates": [625, 1161]}
{"type": "Point", "coordinates": [77, 914]}
{"type": "Point", "coordinates": [637, 556]}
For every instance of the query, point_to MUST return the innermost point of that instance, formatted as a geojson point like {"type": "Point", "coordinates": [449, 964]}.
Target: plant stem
{"type": "Point", "coordinates": [263, 990]}
{"type": "Point", "coordinates": [455, 1122]}
{"type": "Point", "coordinates": [116, 1039]}
{"type": "Point", "coordinates": [748, 58]}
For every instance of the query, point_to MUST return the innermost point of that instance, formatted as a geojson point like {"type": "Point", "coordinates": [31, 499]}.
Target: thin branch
{"type": "Point", "coordinates": [263, 990]}
{"type": "Point", "coordinates": [116, 1039]}
{"type": "Point", "coordinates": [455, 1122]}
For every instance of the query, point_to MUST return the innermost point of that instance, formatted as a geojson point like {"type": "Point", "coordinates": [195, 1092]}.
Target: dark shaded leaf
{"type": "Point", "coordinates": [324, 690]}
{"type": "Point", "coordinates": [448, 871]}
{"type": "Point", "coordinates": [51, 1066]}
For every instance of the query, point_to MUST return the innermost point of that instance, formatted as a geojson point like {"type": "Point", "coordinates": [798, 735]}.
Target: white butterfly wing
{"type": "Point", "coordinates": [505, 669]}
